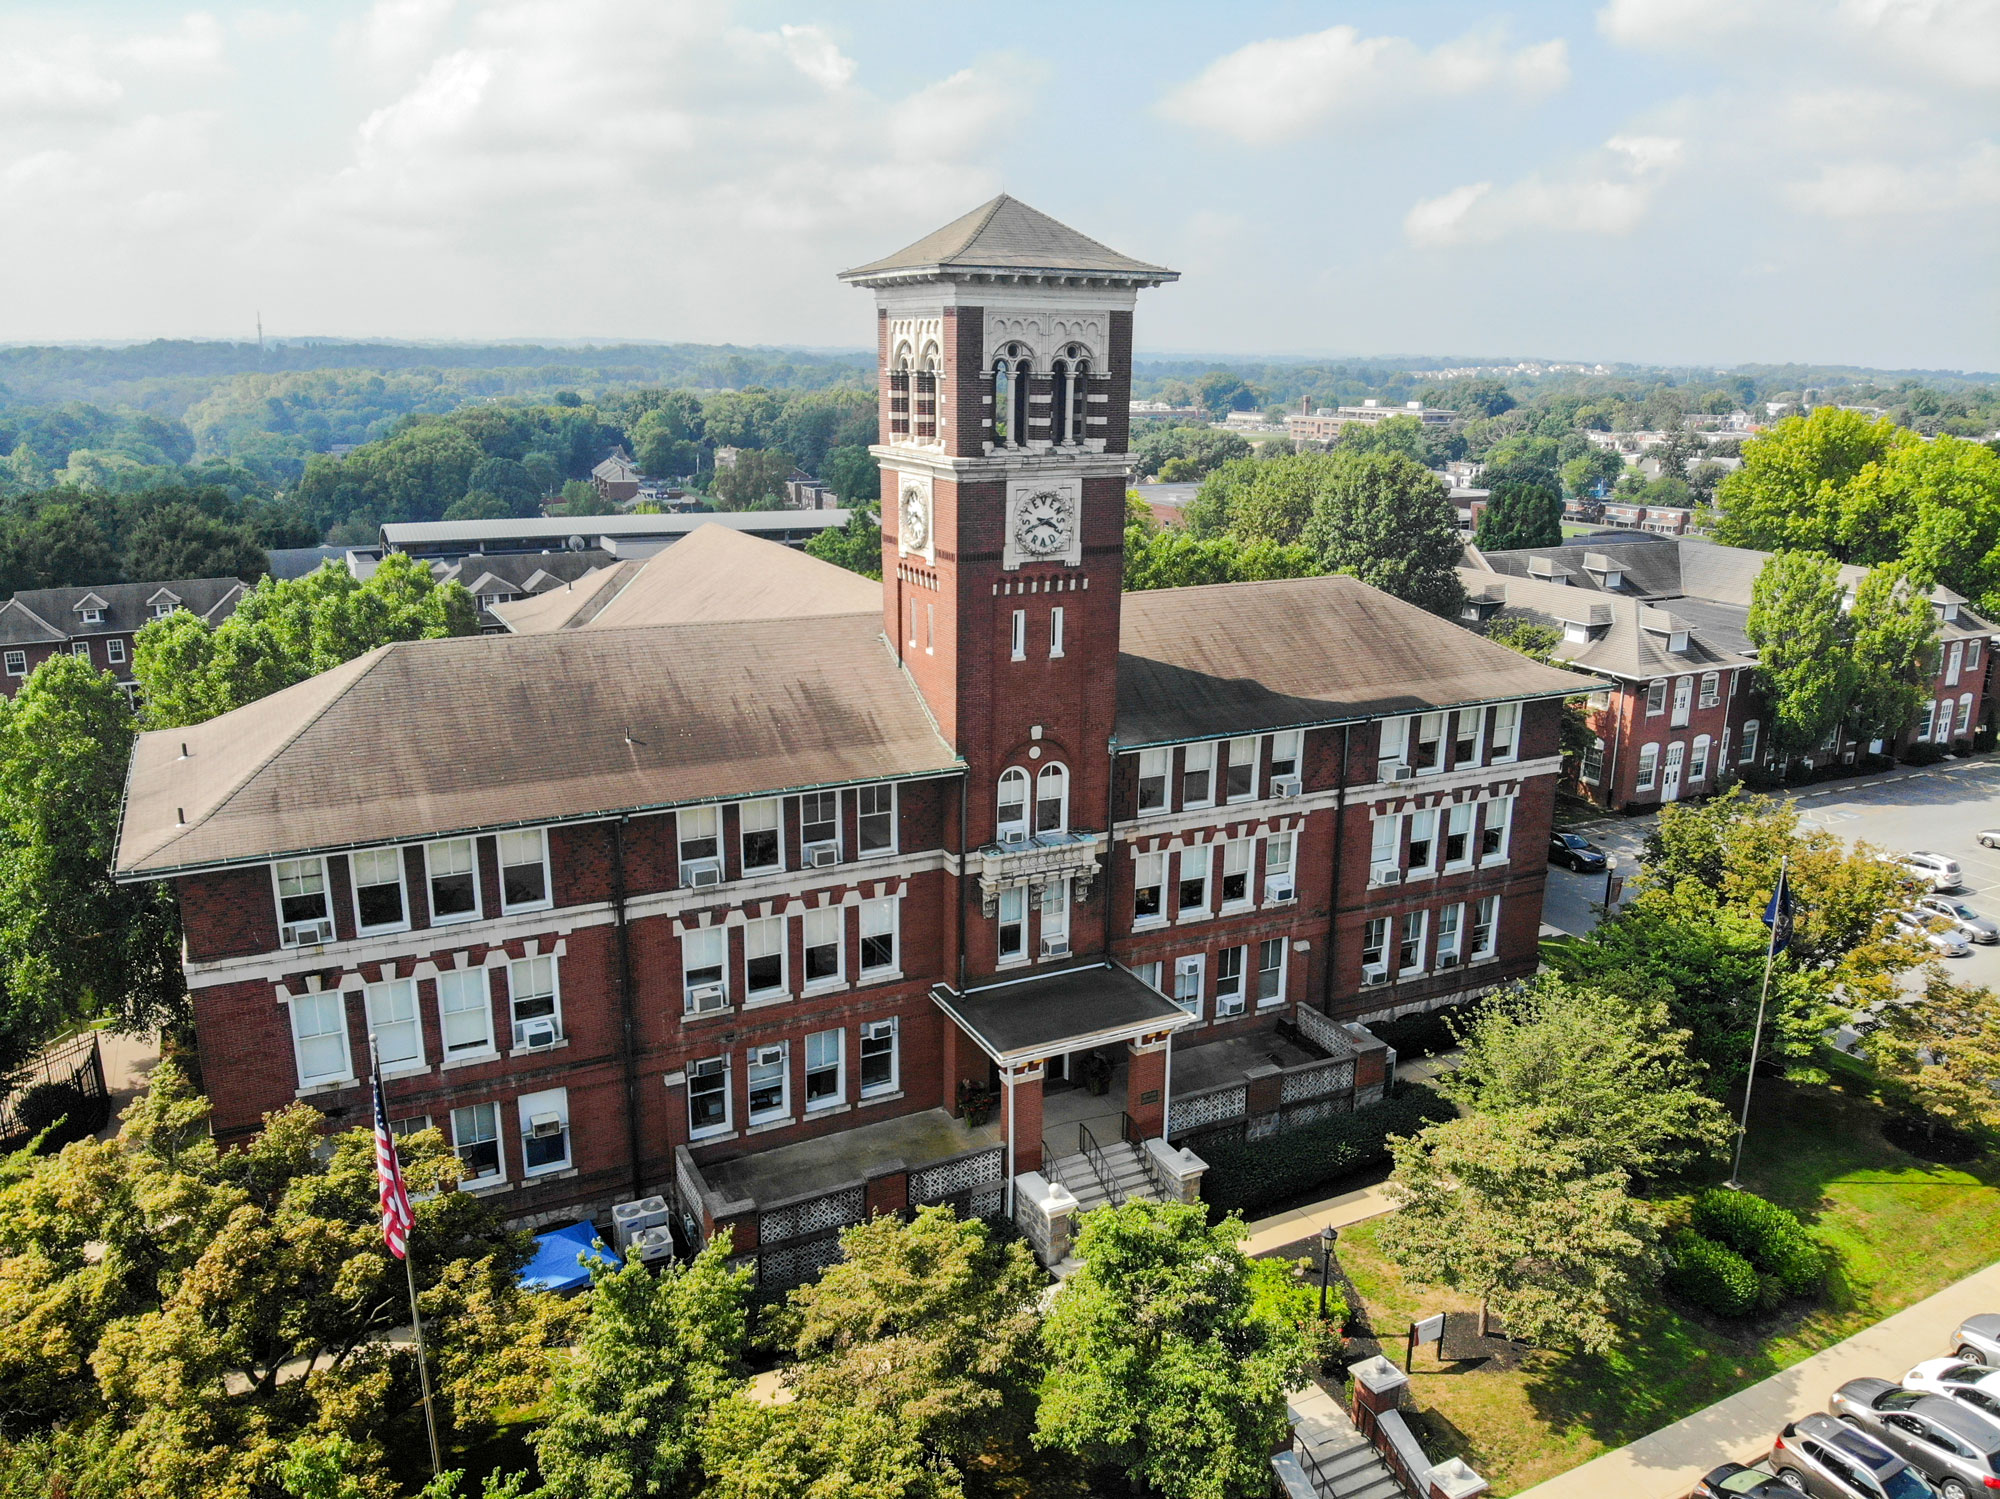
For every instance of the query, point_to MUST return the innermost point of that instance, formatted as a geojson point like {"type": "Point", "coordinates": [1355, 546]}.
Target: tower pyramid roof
{"type": "Point", "coordinates": [1008, 237]}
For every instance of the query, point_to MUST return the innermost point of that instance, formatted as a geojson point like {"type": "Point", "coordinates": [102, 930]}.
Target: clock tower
{"type": "Point", "coordinates": [1005, 344]}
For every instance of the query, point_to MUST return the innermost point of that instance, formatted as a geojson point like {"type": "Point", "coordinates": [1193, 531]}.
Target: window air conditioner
{"type": "Point", "coordinates": [1055, 947]}
{"type": "Point", "coordinates": [1013, 837]}
{"type": "Point", "coordinates": [705, 997]}
{"type": "Point", "coordinates": [1388, 876]}
{"type": "Point", "coordinates": [1284, 785]}
{"type": "Point", "coordinates": [1401, 773]}
{"type": "Point", "coordinates": [1447, 960]}
{"type": "Point", "coordinates": [820, 855]}
{"type": "Point", "coordinates": [538, 1034]}
{"type": "Point", "coordinates": [1278, 888]}
{"type": "Point", "coordinates": [1374, 976]}
{"type": "Point", "coordinates": [306, 933]}
{"type": "Point", "coordinates": [545, 1127]}
{"type": "Point", "coordinates": [768, 1056]}
{"type": "Point", "coordinates": [699, 874]}
{"type": "Point", "coordinates": [878, 1030]}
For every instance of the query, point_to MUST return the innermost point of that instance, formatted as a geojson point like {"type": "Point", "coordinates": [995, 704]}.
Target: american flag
{"type": "Point", "coordinates": [396, 1216]}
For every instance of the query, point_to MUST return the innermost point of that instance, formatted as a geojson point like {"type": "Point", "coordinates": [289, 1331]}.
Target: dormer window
{"type": "Point", "coordinates": [92, 616]}
{"type": "Point", "coordinates": [1677, 642]}
{"type": "Point", "coordinates": [1949, 610]}
{"type": "Point", "coordinates": [162, 610]}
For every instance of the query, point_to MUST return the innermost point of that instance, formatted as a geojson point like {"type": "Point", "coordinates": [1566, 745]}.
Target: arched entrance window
{"type": "Point", "coordinates": [1052, 800]}
{"type": "Point", "coordinates": [1013, 805]}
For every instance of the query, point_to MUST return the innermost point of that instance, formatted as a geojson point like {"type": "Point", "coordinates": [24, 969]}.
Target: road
{"type": "Point", "coordinates": [1941, 808]}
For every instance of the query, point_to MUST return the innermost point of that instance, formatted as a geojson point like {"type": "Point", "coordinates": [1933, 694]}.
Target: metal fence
{"type": "Point", "coordinates": [76, 1064]}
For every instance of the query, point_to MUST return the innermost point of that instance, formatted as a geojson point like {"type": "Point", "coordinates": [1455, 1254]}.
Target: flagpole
{"type": "Point", "coordinates": [1781, 900]}
{"type": "Point", "coordinates": [409, 1277]}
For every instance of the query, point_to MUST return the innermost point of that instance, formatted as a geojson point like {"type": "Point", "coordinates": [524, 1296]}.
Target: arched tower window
{"type": "Point", "coordinates": [924, 396]}
{"type": "Point", "coordinates": [1013, 820]}
{"type": "Point", "coordinates": [1002, 401]}
{"type": "Point", "coordinates": [1059, 402]}
{"type": "Point", "coordinates": [1071, 406]}
{"type": "Point", "coordinates": [899, 396]}
{"type": "Point", "coordinates": [1052, 800]}
{"type": "Point", "coordinates": [1018, 423]}
{"type": "Point", "coordinates": [1010, 396]}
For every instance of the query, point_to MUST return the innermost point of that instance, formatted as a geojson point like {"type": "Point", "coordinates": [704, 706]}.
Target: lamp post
{"type": "Point", "coordinates": [1326, 1237]}
{"type": "Point", "coordinates": [1610, 874]}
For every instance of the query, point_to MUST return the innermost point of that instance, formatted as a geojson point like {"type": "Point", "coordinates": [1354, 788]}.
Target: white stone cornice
{"type": "Point", "coordinates": [1012, 463]}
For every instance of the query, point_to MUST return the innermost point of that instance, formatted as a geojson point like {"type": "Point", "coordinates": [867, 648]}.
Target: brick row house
{"type": "Point", "coordinates": [794, 896]}
{"type": "Point", "coordinates": [99, 623]}
{"type": "Point", "coordinates": [1666, 622]}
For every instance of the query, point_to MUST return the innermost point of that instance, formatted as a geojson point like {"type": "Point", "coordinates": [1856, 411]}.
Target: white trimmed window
{"type": "Point", "coordinates": [1953, 661]}
{"type": "Point", "coordinates": [524, 870]}
{"type": "Point", "coordinates": [760, 828]}
{"type": "Point", "coordinates": [1191, 895]}
{"type": "Point", "coordinates": [880, 1066]}
{"type": "Point", "coordinates": [114, 652]}
{"type": "Point", "coordinates": [379, 903]}
{"type": "Point", "coordinates": [1656, 697]}
{"type": "Point", "coordinates": [319, 1039]}
{"type": "Point", "coordinates": [1149, 974]}
{"type": "Point", "coordinates": [1506, 733]}
{"type": "Point", "coordinates": [80, 648]}
{"type": "Point", "coordinates": [1236, 872]}
{"type": "Point", "coordinates": [875, 827]}
{"type": "Point", "coordinates": [1187, 983]}
{"type": "Point", "coordinates": [698, 832]}
{"type": "Point", "coordinates": [1375, 950]}
{"type": "Point", "coordinates": [1198, 775]}
{"type": "Point", "coordinates": [1278, 867]}
{"type": "Point", "coordinates": [823, 944]}
{"type": "Point", "coordinates": [1385, 852]}
{"type": "Point", "coordinates": [452, 869]}
{"type": "Point", "coordinates": [1149, 877]}
{"type": "Point", "coordinates": [1746, 753]}
{"type": "Point", "coordinates": [305, 913]}
{"type": "Point", "coordinates": [1052, 799]}
{"type": "Point", "coordinates": [1154, 765]}
{"type": "Point", "coordinates": [1410, 942]}
{"type": "Point", "coordinates": [544, 1131]}
{"type": "Point", "coordinates": [1423, 840]}
{"type": "Point", "coordinates": [1240, 773]}
{"type": "Point", "coordinates": [1711, 689]}
{"type": "Point", "coordinates": [1698, 761]}
{"type": "Point", "coordinates": [826, 1069]}
{"type": "Point", "coordinates": [768, 1078]}
{"type": "Point", "coordinates": [1468, 727]}
{"type": "Point", "coordinates": [1020, 641]}
{"type": "Point", "coordinates": [1924, 724]}
{"type": "Point", "coordinates": [1011, 810]}
{"type": "Point", "coordinates": [1055, 917]}
{"type": "Point", "coordinates": [1965, 713]}
{"type": "Point", "coordinates": [1485, 926]}
{"type": "Point", "coordinates": [475, 1137]}
{"type": "Point", "coordinates": [1971, 655]}
{"type": "Point", "coordinates": [819, 822]}
{"type": "Point", "coordinates": [1228, 982]}
{"type": "Point", "coordinates": [1451, 922]}
{"type": "Point", "coordinates": [1055, 632]}
{"type": "Point", "coordinates": [878, 935]}
{"type": "Point", "coordinates": [1270, 972]}
{"type": "Point", "coordinates": [704, 985]}
{"type": "Point", "coordinates": [1286, 748]}
{"type": "Point", "coordinates": [394, 1022]}
{"type": "Point", "coordinates": [708, 1097]}
{"type": "Point", "coordinates": [465, 1013]}
{"type": "Point", "coordinates": [1392, 749]}
{"type": "Point", "coordinates": [1592, 770]}
{"type": "Point", "coordinates": [1649, 760]}
{"type": "Point", "coordinates": [537, 1008]}
{"type": "Point", "coordinates": [17, 663]}
{"type": "Point", "coordinates": [1013, 913]}
{"type": "Point", "coordinates": [1458, 836]}
{"type": "Point", "coordinates": [764, 957]}
{"type": "Point", "coordinates": [1427, 754]}
{"type": "Point", "coordinates": [1496, 826]}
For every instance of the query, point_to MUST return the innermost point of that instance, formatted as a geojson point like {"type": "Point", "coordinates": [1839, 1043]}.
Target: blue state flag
{"type": "Point", "coordinates": [1778, 913]}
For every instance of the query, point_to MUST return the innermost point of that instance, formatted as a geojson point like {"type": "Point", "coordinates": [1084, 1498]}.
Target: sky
{"type": "Point", "coordinates": [1659, 181]}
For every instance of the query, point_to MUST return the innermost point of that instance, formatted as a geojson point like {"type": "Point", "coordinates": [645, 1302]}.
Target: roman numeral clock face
{"type": "Point", "coordinates": [1043, 522]}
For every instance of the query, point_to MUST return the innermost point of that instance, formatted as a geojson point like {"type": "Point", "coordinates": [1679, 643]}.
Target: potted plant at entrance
{"type": "Point", "coordinates": [975, 1103]}
{"type": "Point", "coordinates": [1097, 1073]}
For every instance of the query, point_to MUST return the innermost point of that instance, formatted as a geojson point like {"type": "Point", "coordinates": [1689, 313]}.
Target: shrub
{"type": "Point", "coordinates": [1708, 1275]}
{"type": "Point", "coordinates": [47, 1103]}
{"type": "Point", "coordinates": [1983, 738]}
{"type": "Point", "coordinates": [1428, 1033]}
{"type": "Point", "coordinates": [1961, 747]}
{"type": "Point", "coordinates": [1245, 1176]}
{"type": "Point", "coordinates": [1769, 1237]}
{"type": "Point", "coordinates": [1924, 754]}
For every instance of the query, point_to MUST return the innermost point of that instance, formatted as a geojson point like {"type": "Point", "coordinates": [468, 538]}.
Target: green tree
{"type": "Point", "coordinates": [856, 546]}
{"type": "Point", "coordinates": [658, 1352]}
{"type": "Point", "coordinates": [1503, 1207]}
{"type": "Point", "coordinates": [1163, 1363]}
{"type": "Point", "coordinates": [1938, 1058]}
{"type": "Point", "coordinates": [1472, 398]}
{"type": "Point", "coordinates": [478, 504]}
{"type": "Point", "coordinates": [1594, 468]}
{"type": "Point", "coordinates": [1519, 514]}
{"type": "Point", "coordinates": [1399, 434]}
{"type": "Point", "coordinates": [825, 1451]}
{"type": "Point", "coordinates": [74, 945]}
{"type": "Point", "coordinates": [286, 631]}
{"type": "Point", "coordinates": [1891, 649]}
{"type": "Point", "coordinates": [1388, 522]}
{"type": "Point", "coordinates": [1199, 451]}
{"type": "Point", "coordinates": [1806, 677]}
{"type": "Point", "coordinates": [757, 474]}
{"type": "Point", "coordinates": [580, 498]}
{"type": "Point", "coordinates": [1175, 559]}
{"type": "Point", "coordinates": [853, 475]}
{"type": "Point", "coordinates": [180, 541]}
{"type": "Point", "coordinates": [60, 546]}
{"type": "Point", "coordinates": [1788, 495]}
{"type": "Point", "coordinates": [509, 482]}
{"type": "Point", "coordinates": [1608, 1073]}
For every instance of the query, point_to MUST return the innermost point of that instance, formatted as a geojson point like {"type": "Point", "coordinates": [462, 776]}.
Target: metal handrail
{"type": "Point", "coordinates": [1099, 1167]}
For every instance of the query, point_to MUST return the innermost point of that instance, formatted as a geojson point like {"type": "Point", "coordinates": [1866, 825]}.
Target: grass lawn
{"type": "Point", "coordinates": [1903, 1229]}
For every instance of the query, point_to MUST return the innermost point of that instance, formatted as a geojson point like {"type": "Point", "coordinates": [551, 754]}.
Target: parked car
{"type": "Point", "coordinates": [1976, 928]}
{"type": "Point", "coordinates": [1990, 838]}
{"type": "Point", "coordinates": [1939, 872]}
{"type": "Point", "coordinates": [1933, 932]}
{"type": "Point", "coordinates": [1574, 851]}
{"type": "Point", "coordinates": [1734, 1481]}
{"type": "Point", "coordinates": [1817, 1455]}
{"type": "Point", "coordinates": [1969, 1384]}
{"type": "Point", "coordinates": [1955, 1447]}
{"type": "Point", "coordinates": [1977, 1340]}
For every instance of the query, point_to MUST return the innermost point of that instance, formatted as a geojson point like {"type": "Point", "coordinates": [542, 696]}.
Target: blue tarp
{"type": "Point", "coordinates": [558, 1262]}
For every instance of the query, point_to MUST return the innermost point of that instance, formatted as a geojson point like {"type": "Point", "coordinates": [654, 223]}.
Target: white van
{"type": "Point", "coordinates": [1936, 870]}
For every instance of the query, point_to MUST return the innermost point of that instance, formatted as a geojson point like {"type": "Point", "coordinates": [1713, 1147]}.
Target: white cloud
{"type": "Point", "coordinates": [1277, 90]}
{"type": "Point", "coordinates": [195, 46]}
{"type": "Point", "coordinates": [1954, 42]}
{"type": "Point", "coordinates": [1608, 196]}
{"type": "Point", "coordinates": [816, 55]}
{"type": "Point", "coordinates": [1867, 189]}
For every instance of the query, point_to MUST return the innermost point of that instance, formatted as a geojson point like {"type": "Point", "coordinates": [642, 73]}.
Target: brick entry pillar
{"type": "Point", "coordinates": [1146, 1086]}
{"type": "Point", "coordinates": [1021, 1114]}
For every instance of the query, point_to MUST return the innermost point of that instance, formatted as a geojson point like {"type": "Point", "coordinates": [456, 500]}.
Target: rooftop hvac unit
{"type": "Point", "coordinates": [699, 874]}
{"type": "Point", "coordinates": [651, 1245]}
{"type": "Point", "coordinates": [307, 933]}
{"type": "Point", "coordinates": [820, 855]}
{"type": "Point", "coordinates": [1284, 785]}
{"type": "Point", "coordinates": [703, 998]}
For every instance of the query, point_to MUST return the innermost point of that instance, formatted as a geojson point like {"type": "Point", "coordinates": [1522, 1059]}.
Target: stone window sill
{"type": "Point", "coordinates": [559, 1044]}
{"type": "Point", "coordinates": [875, 1098]}
{"type": "Point", "coordinates": [476, 1059]}
{"type": "Point", "coordinates": [768, 1125]}
{"type": "Point", "coordinates": [338, 1084]}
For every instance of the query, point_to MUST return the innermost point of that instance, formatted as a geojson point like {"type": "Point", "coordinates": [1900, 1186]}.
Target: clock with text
{"type": "Point", "coordinates": [1044, 521]}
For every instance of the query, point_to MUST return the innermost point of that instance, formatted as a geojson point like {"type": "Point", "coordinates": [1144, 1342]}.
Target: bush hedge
{"type": "Point", "coordinates": [1248, 1176]}
{"type": "Point", "coordinates": [1710, 1275]}
{"type": "Point", "coordinates": [1924, 754]}
{"type": "Point", "coordinates": [1772, 1239]}
{"type": "Point", "coordinates": [1428, 1033]}
{"type": "Point", "coordinates": [47, 1103]}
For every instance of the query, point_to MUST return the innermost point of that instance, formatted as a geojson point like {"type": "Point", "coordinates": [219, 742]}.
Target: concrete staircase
{"type": "Point", "coordinates": [1126, 1166]}
{"type": "Point", "coordinates": [1338, 1460]}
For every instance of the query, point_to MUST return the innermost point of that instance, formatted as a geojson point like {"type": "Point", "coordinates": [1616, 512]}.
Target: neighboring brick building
{"type": "Point", "coordinates": [99, 623]}
{"type": "Point", "coordinates": [680, 889]}
{"type": "Point", "coordinates": [1666, 621]}
{"type": "Point", "coordinates": [617, 478]}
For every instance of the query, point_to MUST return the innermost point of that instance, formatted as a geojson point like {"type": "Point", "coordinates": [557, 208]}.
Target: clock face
{"type": "Point", "coordinates": [916, 518]}
{"type": "Point", "coordinates": [1042, 523]}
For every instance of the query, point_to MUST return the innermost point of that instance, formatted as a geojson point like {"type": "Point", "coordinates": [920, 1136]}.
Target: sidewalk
{"type": "Point", "coordinates": [1740, 1428]}
{"type": "Point", "coordinates": [1280, 1229]}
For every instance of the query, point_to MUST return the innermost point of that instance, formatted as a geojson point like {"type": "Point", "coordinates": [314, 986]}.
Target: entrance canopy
{"type": "Point", "coordinates": [1079, 1008]}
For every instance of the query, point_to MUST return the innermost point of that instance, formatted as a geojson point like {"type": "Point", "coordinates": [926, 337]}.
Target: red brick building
{"type": "Point", "coordinates": [681, 891]}
{"type": "Point", "coordinates": [1665, 621]}
{"type": "Point", "coordinates": [98, 623]}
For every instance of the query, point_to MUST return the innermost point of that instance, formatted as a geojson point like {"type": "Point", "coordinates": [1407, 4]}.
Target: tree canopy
{"type": "Point", "coordinates": [1520, 513]}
